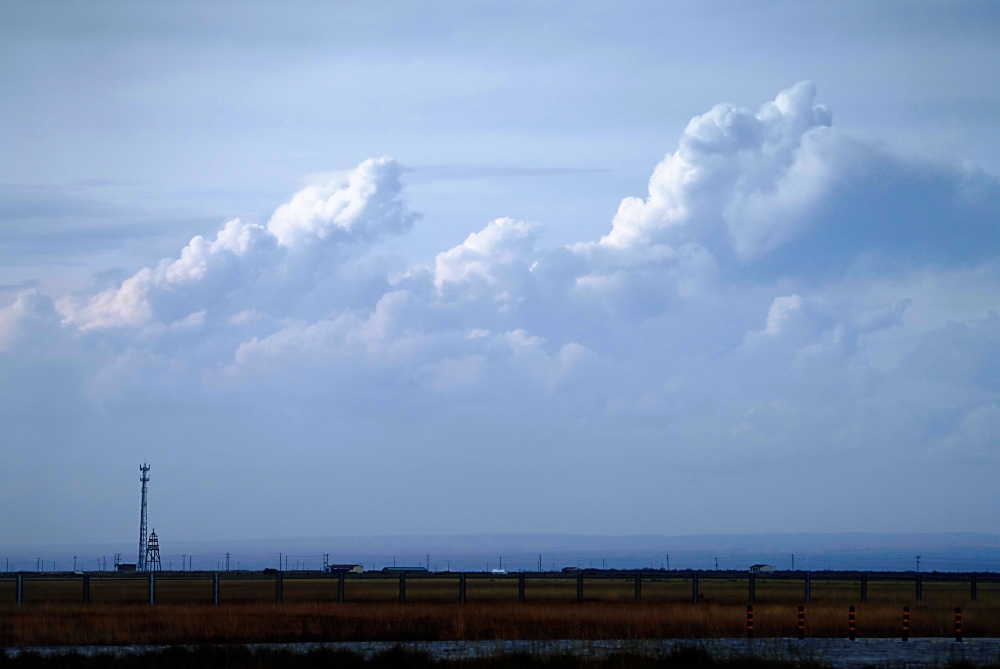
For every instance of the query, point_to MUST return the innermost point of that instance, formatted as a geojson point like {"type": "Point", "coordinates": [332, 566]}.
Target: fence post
{"type": "Point", "coordinates": [402, 587]}
{"type": "Point", "coordinates": [808, 587]}
{"type": "Point", "coordinates": [958, 624]}
{"type": "Point", "coordinates": [20, 589]}
{"type": "Point", "coordinates": [86, 588]}
{"type": "Point", "coordinates": [850, 623]}
{"type": "Point", "coordinates": [973, 592]}
{"type": "Point", "coordinates": [215, 588]}
{"type": "Point", "coordinates": [520, 588]}
{"type": "Point", "coordinates": [152, 588]}
{"type": "Point", "coordinates": [279, 595]}
{"type": "Point", "coordinates": [749, 621]}
{"type": "Point", "coordinates": [864, 586]}
{"type": "Point", "coordinates": [752, 595]}
{"type": "Point", "coordinates": [579, 587]}
{"type": "Point", "coordinates": [920, 586]}
{"type": "Point", "coordinates": [694, 588]}
{"type": "Point", "coordinates": [802, 622]}
{"type": "Point", "coordinates": [340, 588]}
{"type": "Point", "coordinates": [638, 587]}
{"type": "Point", "coordinates": [461, 588]}
{"type": "Point", "coordinates": [906, 623]}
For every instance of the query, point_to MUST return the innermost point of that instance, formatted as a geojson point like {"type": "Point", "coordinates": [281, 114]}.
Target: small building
{"type": "Point", "coordinates": [570, 570]}
{"type": "Point", "coordinates": [123, 566]}
{"type": "Point", "coordinates": [344, 569]}
{"type": "Point", "coordinates": [761, 569]}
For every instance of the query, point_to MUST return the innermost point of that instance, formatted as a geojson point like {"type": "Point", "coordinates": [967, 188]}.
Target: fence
{"type": "Point", "coordinates": [694, 587]}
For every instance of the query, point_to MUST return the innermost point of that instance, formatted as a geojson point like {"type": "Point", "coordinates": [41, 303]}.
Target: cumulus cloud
{"type": "Point", "coordinates": [212, 274]}
{"type": "Point", "coordinates": [367, 208]}
{"type": "Point", "coordinates": [751, 177]}
{"type": "Point", "coordinates": [27, 322]}
{"type": "Point", "coordinates": [698, 329]}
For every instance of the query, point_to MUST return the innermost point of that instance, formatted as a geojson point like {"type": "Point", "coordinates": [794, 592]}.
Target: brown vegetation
{"type": "Point", "coordinates": [53, 614]}
{"type": "Point", "coordinates": [77, 624]}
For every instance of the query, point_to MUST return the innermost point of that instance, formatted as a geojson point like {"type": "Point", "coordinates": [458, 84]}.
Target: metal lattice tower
{"type": "Point", "coordinates": [153, 553]}
{"type": "Point", "coordinates": [141, 564]}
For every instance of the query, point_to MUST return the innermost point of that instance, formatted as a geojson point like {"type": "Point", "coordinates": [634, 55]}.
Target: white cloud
{"type": "Point", "coordinates": [209, 275]}
{"type": "Point", "coordinates": [781, 311]}
{"type": "Point", "coordinates": [756, 176]}
{"type": "Point", "coordinates": [365, 208]}
{"type": "Point", "coordinates": [682, 338]}
{"type": "Point", "coordinates": [27, 321]}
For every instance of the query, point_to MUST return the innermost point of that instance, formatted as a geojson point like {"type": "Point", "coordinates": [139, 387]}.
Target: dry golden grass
{"type": "Point", "coordinates": [71, 624]}
{"type": "Point", "coordinates": [53, 613]}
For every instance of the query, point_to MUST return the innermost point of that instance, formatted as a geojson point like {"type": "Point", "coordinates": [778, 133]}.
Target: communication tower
{"type": "Point", "coordinates": [144, 477]}
{"type": "Point", "coordinates": [153, 553]}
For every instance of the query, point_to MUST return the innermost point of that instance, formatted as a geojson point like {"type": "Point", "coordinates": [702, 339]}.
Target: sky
{"type": "Point", "coordinates": [445, 268]}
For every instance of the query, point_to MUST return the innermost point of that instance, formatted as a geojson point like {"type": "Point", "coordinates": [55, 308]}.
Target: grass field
{"type": "Point", "coordinates": [52, 613]}
{"type": "Point", "coordinates": [62, 624]}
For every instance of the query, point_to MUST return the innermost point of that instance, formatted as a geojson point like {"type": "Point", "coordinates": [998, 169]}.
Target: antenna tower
{"type": "Point", "coordinates": [144, 477]}
{"type": "Point", "coordinates": [153, 553]}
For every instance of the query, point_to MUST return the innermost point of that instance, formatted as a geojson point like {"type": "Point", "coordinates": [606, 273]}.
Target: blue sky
{"type": "Point", "coordinates": [608, 268]}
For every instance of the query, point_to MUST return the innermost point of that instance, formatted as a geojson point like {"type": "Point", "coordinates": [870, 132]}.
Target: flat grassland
{"type": "Point", "coordinates": [53, 614]}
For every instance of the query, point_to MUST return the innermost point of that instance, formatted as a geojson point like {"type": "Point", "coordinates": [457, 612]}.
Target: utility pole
{"type": "Point", "coordinates": [918, 564]}
{"type": "Point", "coordinates": [668, 561]}
{"type": "Point", "coordinates": [144, 477]}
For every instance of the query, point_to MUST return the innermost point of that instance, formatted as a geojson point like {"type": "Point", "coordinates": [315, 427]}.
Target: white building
{"type": "Point", "coordinates": [761, 569]}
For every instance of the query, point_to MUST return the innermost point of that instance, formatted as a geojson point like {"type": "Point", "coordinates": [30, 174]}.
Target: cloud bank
{"type": "Point", "coordinates": [785, 292]}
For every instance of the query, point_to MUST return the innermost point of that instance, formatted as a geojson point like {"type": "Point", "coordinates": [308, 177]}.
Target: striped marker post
{"type": "Point", "coordinates": [802, 622]}
{"type": "Point", "coordinates": [850, 623]}
{"type": "Point", "coordinates": [749, 622]}
{"type": "Point", "coordinates": [906, 623]}
{"type": "Point", "coordinates": [958, 624]}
